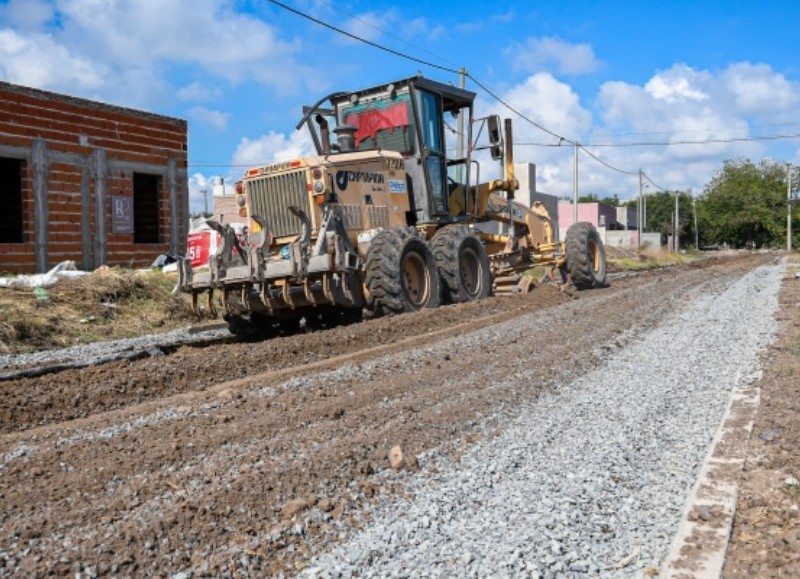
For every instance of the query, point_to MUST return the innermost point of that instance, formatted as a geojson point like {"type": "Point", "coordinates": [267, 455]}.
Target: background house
{"type": "Point", "coordinates": [88, 182]}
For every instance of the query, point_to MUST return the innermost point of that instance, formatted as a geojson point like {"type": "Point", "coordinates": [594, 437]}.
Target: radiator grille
{"type": "Point", "coordinates": [377, 216]}
{"type": "Point", "coordinates": [352, 216]}
{"type": "Point", "coordinates": [272, 195]}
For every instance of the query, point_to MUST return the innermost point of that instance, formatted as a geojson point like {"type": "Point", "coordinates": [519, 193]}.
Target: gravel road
{"type": "Point", "coordinates": [592, 477]}
{"type": "Point", "coordinates": [542, 435]}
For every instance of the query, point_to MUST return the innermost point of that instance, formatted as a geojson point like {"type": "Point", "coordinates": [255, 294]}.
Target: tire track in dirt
{"type": "Point", "coordinates": [260, 472]}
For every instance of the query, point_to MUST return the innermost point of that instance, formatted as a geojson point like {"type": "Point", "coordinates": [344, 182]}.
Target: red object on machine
{"type": "Point", "coordinates": [368, 123]}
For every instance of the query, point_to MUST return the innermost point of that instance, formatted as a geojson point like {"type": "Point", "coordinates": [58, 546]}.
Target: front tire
{"type": "Point", "coordinates": [586, 256]}
{"type": "Point", "coordinates": [463, 264]}
{"type": "Point", "coordinates": [400, 273]}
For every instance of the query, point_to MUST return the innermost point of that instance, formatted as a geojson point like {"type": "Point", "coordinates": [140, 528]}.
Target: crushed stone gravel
{"type": "Point", "coordinates": [592, 478]}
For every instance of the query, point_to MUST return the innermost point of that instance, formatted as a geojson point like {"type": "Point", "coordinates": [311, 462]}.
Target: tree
{"type": "Point", "coordinates": [612, 201]}
{"type": "Point", "coordinates": [744, 205]}
{"type": "Point", "coordinates": [661, 215]}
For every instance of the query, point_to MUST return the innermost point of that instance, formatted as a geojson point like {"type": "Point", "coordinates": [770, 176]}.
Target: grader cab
{"type": "Point", "coordinates": [384, 219]}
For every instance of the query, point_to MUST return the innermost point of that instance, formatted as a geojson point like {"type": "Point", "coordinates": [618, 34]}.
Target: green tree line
{"type": "Point", "coordinates": [744, 205]}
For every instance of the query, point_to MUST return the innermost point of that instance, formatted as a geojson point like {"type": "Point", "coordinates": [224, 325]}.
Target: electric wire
{"type": "Point", "coordinates": [653, 182]}
{"type": "Point", "coordinates": [561, 139]}
{"type": "Point", "coordinates": [360, 39]}
{"type": "Point", "coordinates": [386, 32]}
{"type": "Point", "coordinates": [675, 143]}
{"type": "Point", "coordinates": [602, 162]}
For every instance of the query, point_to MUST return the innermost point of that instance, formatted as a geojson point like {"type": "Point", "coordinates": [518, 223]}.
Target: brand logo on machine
{"type": "Point", "coordinates": [343, 178]}
{"type": "Point", "coordinates": [274, 168]}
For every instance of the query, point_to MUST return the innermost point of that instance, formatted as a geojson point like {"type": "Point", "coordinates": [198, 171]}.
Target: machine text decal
{"type": "Point", "coordinates": [345, 177]}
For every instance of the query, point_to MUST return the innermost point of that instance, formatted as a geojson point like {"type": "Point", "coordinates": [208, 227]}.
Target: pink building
{"type": "Point", "coordinates": [597, 214]}
{"type": "Point", "coordinates": [612, 231]}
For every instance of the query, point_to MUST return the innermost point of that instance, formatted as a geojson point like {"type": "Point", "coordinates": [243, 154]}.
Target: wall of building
{"type": "Point", "coordinates": [603, 217]}
{"type": "Point", "coordinates": [78, 159]}
{"type": "Point", "coordinates": [528, 195]}
{"type": "Point", "coordinates": [627, 217]}
{"type": "Point", "coordinates": [622, 238]}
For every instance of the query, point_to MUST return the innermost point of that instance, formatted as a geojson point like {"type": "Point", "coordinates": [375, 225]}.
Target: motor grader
{"type": "Point", "coordinates": [385, 219]}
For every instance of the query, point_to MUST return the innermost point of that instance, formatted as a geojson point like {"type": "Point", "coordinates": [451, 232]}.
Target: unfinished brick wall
{"type": "Point", "coordinates": [77, 155]}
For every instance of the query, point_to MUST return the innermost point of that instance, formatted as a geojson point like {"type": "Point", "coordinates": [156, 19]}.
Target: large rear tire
{"type": "Point", "coordinates": [400, 273]}
{"type": "Point", "coordinates": [463, 264]}
{"type": "Point", "coordinates": [586, 256]}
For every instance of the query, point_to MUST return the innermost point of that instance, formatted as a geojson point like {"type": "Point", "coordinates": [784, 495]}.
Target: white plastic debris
{"type": "Point", "coordinates": [62, 270]}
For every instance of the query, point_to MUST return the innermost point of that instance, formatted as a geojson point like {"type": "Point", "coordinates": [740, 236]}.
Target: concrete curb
{"type": "Point", "coordinates": [699, 547]}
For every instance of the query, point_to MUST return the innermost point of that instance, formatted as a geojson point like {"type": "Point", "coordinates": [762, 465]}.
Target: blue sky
{"type": "Point", "coordinates": [670, 74]}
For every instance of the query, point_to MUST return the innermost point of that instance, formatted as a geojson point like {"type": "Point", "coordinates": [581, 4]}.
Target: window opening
{"type": "Point", "coordinates": [11, 200]}
{"type": "Point", "coordinates": [430, 118]}
{"type": "Point", "coordinates": [383, 123]}
{"type": "Point", "coordinates": [146, 190]}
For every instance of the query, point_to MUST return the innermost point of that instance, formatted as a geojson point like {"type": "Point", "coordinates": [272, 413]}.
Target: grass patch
{"type": "Point", "coordinates": [631, 260]}
{"type": "Point", "coordinates": [104, 305]}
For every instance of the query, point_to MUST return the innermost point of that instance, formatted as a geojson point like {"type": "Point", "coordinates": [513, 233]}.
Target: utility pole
{"type": "Point", "coordinates": [639, 211]}
{"type": "Point", "coordinates": [696, 233]}
{"type": "Point", "coordinates": [644, 209]}
{"type": "Point", "coordinates": [788, 208]}
{"type": "Point", "coordinates": [677, 221]}
{"type": "Point", "coordinates": [575, 182]}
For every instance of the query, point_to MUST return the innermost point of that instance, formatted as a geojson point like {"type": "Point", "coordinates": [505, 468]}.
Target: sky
{"type": "Point", "coordinates": [670, 88]}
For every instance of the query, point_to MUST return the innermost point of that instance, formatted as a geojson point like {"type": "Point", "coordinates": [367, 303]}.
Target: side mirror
{"type": "Point", "coordinates": [493, 125]}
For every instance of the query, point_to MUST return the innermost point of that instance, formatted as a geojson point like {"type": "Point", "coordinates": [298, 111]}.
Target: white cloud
{"type": "Point", "coordinates": [38, 61]}
{"type": "Point", "coordinates": [198, 92]}
{"type": "Point", "coordinates": [373, 26]}
{"type": "Point", "coordinates": [203, 32]}
{"type": "Point", "coordinates": [536, 54]}
{"type": "Point", "coordinates": [199, 193]}
{"type": "Point", "coordinates": [369, 24]}
{"type": "Point", "coordinates": [504, 17]}
{"type": "Point", "coordinates": [27, 13]}
{"type": "Point", "coordinates": [700, 116]}
{"type": "Point", "coordinates": [757, 89]}
{"type": "Point", "coordinates": [420, 27]}
{"type": "Point", "coordinates": [549, 102]}
{"type": "Point", "coordinates": [124, 51]}
{"type": "Point", "coordinates": [273, 147]}
{"type": "Point", "coordinates": [216, 119]}
{"type": "Point", "coordinates": [680, 83]}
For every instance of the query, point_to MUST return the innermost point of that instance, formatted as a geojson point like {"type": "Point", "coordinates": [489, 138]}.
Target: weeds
{"type": "Point", "coordinates": [106, 304]}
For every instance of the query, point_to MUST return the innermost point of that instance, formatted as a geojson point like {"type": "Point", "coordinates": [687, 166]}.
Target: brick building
{"type": "Point", "coordinates": [89, 182]}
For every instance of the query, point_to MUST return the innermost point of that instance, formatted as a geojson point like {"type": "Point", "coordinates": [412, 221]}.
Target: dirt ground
{"type": "Point", "coordinates": [765, 539]}
{"type": "Point", "coordinates": [230, 460]}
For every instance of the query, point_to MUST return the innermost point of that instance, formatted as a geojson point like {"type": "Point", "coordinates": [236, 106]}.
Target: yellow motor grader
{"type": "Point", "coordinates": [384, 219]}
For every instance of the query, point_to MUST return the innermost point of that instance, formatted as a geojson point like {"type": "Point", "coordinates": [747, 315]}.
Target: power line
{"type": "Point", "coordinates": [421, 61]}
{"type": "Point", "coordinates": [652, 182]}
{"type": "Point", "coordinates": [675, 143]}
{"type": "Point", "coordinates": [561, 139]}
{"type": "Point", "coordinates": [386, 32]}
{"type": "Point", "coordinates": [599, 160]}
{"type": "Point", "coordinates": [360, 39]}
{"type": "Point", "coordinates": [699, 142]}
